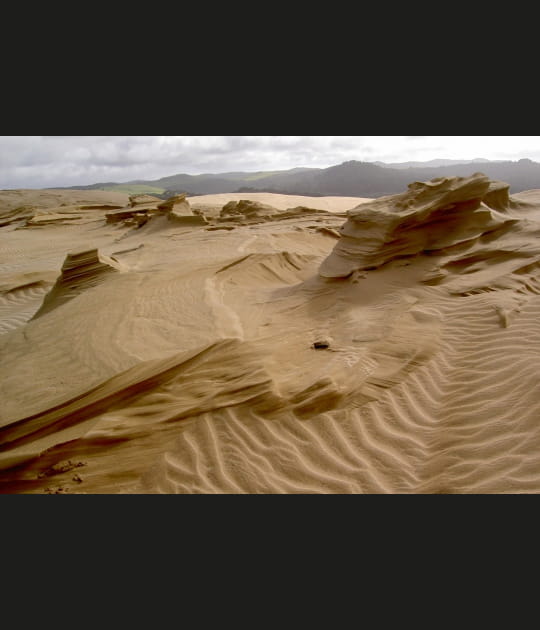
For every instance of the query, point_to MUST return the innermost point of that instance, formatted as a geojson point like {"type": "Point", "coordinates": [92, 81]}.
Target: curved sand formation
{"type": "Point", "coordinates": [185, 360]}
{"type": "Point", "coordinates": [433, 218]}
{"type": "Point", "coordinates": [80, 271]}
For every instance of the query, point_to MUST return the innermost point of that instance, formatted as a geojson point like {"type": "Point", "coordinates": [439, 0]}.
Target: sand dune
{"type": "Point", "coordinates": [274, 348]}
{"type": "Point", "coordinates": [280, 202]}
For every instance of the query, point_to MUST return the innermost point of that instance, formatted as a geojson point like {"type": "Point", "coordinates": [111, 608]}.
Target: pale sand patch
{"type": "Point", "coordinates": [281, 202]}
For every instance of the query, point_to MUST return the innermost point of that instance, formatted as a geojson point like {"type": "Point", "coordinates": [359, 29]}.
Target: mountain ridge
{"type": "Point", "coordinates": [350, 178]}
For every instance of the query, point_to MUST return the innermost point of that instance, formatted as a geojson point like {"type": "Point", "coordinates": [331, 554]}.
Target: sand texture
{"type": "Point", "coordinates": [261, 343]}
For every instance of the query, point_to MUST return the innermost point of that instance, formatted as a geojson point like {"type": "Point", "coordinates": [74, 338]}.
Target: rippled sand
{"type": "Point", "coordinates": [177, 358]}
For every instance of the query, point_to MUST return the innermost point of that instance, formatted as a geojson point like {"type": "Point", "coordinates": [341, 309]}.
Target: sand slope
{"type": "Point", "coordinates": [178, 358]}
{"type": "Point", "coordinates": [281, 202]}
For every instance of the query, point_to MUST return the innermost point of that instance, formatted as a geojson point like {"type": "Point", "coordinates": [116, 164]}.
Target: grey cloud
{"type": "Point", "coordinates": [37, 161]}
{"type": "Point", "coordinates": [48, 161]}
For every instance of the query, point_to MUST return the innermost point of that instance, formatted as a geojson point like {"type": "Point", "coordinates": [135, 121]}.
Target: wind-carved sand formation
{"type": "Point", "coordinates": [80, 271]}
{"type": "Point", "coordinates": [428, 218]}
{"type": "Point", "coordinates": [271, 344]}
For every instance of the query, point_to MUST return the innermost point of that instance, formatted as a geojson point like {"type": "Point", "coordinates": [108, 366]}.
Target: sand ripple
{"type": "Point", "coordinates": [193, 368]}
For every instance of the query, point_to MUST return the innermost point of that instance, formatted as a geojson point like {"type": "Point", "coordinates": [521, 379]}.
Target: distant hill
{"type": "Point", "coordinates": [350, 179]}
{"type": "Point", "coordinates": [433, 163]}
{"type": "Point", "coordinates": [204, 184]}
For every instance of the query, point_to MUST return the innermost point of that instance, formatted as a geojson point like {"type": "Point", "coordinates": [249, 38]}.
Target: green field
{"type": "Point", "coordinates": [262, 175]}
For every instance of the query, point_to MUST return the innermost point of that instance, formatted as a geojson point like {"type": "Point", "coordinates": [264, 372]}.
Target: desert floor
{"type": "Point", "coordinates": [181, 358]}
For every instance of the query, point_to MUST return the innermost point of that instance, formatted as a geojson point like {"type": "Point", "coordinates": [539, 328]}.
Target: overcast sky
{"type": "Point", "coordinates": [48, 161]}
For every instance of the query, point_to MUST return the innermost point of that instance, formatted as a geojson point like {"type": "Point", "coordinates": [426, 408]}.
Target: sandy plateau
{"type": "Point", "coordinates": [261, 343]}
